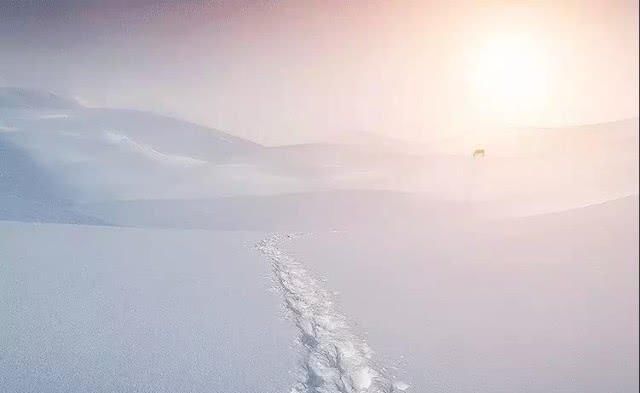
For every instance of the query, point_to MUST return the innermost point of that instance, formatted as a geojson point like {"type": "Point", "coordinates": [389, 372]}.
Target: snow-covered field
{"type": "Point", "coordinates": [106, 309]}
{"type": "Point", "coordinates": [537, 304]}
{"type": "Point", "coordinates": [140, 253]}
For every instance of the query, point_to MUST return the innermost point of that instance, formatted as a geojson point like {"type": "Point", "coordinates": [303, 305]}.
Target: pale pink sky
{"type": "Point", "coordinates": [290, 71]}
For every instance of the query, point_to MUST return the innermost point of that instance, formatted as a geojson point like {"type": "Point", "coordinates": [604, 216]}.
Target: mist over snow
{"type": "Point", "coordinates": [141, 252]}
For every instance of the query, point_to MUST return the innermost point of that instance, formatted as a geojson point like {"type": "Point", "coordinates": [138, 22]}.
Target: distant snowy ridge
{"type": "Point", "coordinates": [151, 153]}
{"type": "Point", "coordinates": [335, 360]}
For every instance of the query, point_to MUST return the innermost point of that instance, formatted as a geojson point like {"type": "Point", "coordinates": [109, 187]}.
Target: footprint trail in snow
{"type": "Point", "coordinates": [334, 360]}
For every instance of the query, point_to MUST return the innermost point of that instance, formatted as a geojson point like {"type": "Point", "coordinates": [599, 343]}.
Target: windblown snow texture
{"type": "Point", "coordinates": [334, 359]}
{"type": "Point", "coordinates": [149, 152]}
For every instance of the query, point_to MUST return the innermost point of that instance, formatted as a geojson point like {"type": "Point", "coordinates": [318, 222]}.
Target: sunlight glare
{"type": "Point", "coordinates": [509, 78]}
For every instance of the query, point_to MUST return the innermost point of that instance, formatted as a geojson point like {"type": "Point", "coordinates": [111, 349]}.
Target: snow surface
{"type": "Point", "coordinates": [334, 358]}
{"type": "Point", "coordinates": [419, 271]}
{"type": "Point", "coordinates": [107, 309]}
{"type": "Point", "coordinates": [536, 304]}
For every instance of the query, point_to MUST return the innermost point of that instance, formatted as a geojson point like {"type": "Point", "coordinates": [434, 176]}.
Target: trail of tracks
{"type": "Point", "coordinates": [334, 360]}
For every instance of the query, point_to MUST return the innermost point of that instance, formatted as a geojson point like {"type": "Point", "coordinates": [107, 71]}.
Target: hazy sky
{"type": "Point", "coordinates": [286, 71]}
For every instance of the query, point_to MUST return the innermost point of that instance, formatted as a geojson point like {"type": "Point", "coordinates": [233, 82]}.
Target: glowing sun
{"type": "Point", "coordinates": [509, 78]}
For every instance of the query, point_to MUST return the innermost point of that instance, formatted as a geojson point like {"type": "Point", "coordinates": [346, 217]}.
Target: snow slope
{"type": "Point", "coordinates": [310, 211]}
{"type": "Point", "coordinates": [449, 276]}
{"type": "Point", "coordinates": [29, 192]}
{"type": "Point", "coordinates": [536, 304]}
{"type": "Point", "coordinates": [116, 154]}
{"type": "Point", "coordinates": [105, 309]}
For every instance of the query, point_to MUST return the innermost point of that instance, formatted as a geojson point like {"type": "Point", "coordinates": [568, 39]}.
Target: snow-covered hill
{"type": "Point", "coordinates": [512, 272]}
{"type": "Point", "coordinates": [107, 153]}
{"type": "Point", "coordinates": [103, 155]}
